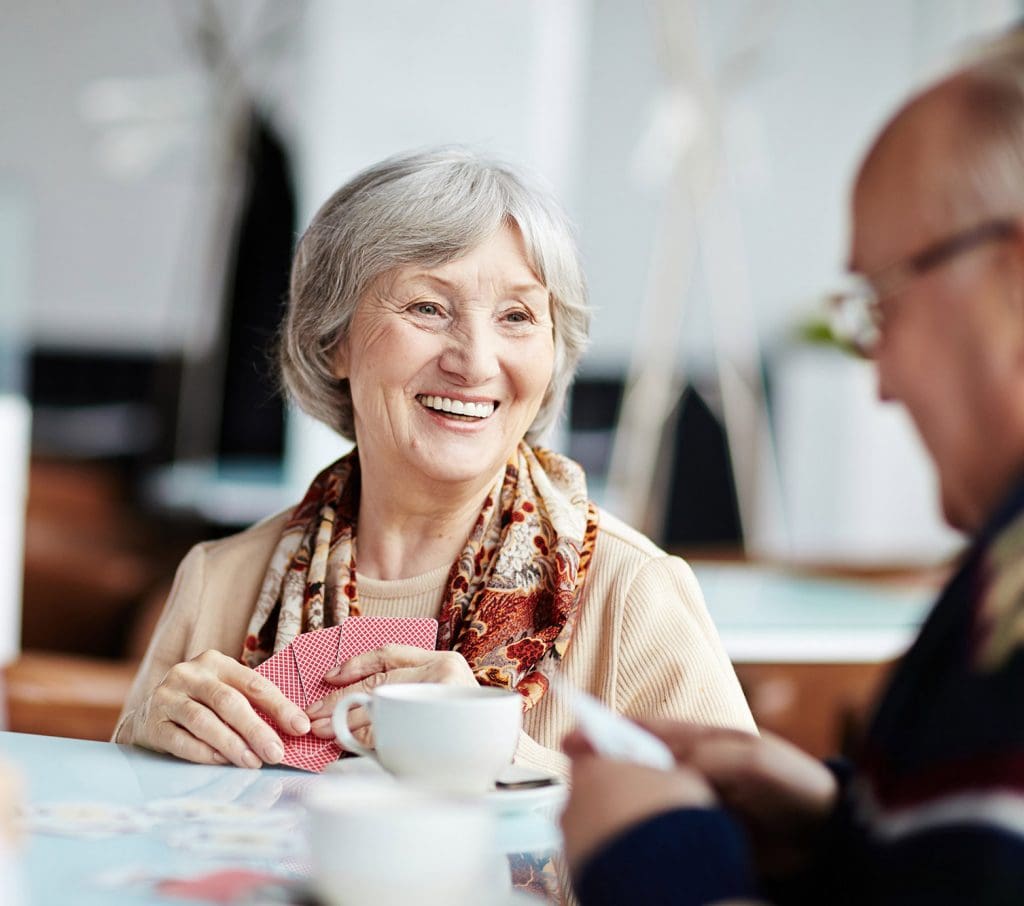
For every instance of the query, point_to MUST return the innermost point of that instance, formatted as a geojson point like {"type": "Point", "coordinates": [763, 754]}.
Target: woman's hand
{"type": "Point", "coordinates": [390, 664]}
{"type": "Point", "coordinates": [203, 711]}
{"type": "Point", "coordinates": [610, 796]}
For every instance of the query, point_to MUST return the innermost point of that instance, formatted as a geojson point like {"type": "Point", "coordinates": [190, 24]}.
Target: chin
{"type": "Point", "coordinates": [459, 467]}
{"type": "Point", "coordinates": [958, 515]}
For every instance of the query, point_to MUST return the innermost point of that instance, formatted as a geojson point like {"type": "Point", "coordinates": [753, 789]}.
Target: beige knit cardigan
{"type": "Point", "coordinates": [644, 643]}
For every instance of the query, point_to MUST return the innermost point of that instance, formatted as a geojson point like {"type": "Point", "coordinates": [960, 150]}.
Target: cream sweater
{"type": "Point", "coordinates": [644, 643]}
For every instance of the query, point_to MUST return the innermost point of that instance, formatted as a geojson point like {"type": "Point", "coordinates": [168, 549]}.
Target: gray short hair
{"type": "Point", "coordinates": [989, 130]}
{"type": "Point", "coordinates": [424, 208]}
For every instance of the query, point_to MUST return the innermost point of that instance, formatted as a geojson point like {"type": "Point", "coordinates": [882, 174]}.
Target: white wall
{"type": "Point", "coordinates": [564, 86]}
{"type": "Point", "coordinates": [828, 73]}
{"type": "Point", "coordinates": [108, 123]}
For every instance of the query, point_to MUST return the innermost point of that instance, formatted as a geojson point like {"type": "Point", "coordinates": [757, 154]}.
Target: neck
{"type": "Point", "coordinates": [403, 532]}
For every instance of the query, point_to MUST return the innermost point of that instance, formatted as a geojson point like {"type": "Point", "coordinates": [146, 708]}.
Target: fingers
{"type": "Point", "coordinates": [392, 664]}
{"type": "Point", "coordinates": [179, 742]}
{"type": "Point", "coordinates": [325, 707]}
{"type": "Point", "coordinates": [380, 660]}
{"type": "Point", "coordinates": [206, 705]}
{"type": "Point", "coordinates": [686, 739]}
{"type": "Point", "coordinates": [577, 744]}
{"type": "Point", "coordinates": [191, 720]}
{"type": "Point", "coordinates": [216, 711]}
{"type": "Point", "coordinates": [260, 692]}
{"type": "Point", "coordinates": [358, 718]}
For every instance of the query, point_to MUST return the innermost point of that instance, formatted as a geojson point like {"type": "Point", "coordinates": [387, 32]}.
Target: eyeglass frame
{"type": "Point", "coordinates": [893, 278]}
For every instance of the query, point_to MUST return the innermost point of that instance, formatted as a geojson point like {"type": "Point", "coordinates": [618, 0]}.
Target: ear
{"type": "Point", "coordinates": [339, 358]}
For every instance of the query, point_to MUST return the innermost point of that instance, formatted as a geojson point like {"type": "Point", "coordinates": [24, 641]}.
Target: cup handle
{"type": "Point", "coordinates": [339, 720]}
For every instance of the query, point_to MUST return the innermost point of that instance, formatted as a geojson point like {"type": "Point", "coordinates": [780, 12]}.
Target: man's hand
{"type": "Point", "coordinates": [610, 796]}
{"type": "Point", "coordinates": [390, 664]}
{"type": "Point", "coordinates": [203, 711]}
{"type": "Point", "coordinates": [782, 795]}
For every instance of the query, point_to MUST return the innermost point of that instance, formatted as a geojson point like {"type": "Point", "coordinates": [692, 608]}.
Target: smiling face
{"type": "Point", "coordinates": [448, 365]}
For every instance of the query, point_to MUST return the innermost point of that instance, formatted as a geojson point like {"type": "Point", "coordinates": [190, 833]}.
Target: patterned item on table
{"type": "Point", "coordinates": [512, 595]}
{"type": "Point", "coordinates": [299, 670]}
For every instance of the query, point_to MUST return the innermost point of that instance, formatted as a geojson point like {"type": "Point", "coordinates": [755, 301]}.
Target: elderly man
{"type": "Point", "coordinates": [932, 811]}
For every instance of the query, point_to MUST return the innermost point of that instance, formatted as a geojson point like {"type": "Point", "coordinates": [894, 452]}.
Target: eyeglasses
{"type": "Point", "coordinates": [855, 314]}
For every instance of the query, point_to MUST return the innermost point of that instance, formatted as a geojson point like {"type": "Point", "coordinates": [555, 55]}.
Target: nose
{"type": "Point", "coordinates": [471, 354]}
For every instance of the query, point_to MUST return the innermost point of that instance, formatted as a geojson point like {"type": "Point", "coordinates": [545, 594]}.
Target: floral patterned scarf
{"type": "Point", "coordinates": [511, 597]}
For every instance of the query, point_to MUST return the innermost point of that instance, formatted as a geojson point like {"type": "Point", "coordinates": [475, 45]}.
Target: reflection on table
{"type": "Point", "coordinates": [159, 824]}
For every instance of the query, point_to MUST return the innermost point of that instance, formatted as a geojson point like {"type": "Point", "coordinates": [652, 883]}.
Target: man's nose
{"type": "Point", "coordinates": [471, 353]}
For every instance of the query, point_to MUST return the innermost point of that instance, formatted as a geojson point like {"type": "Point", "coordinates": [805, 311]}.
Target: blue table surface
{"type": "Point", "coordinates": [77, 870]}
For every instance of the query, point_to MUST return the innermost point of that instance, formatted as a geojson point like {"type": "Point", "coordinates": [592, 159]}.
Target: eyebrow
{"type": "Point", "coordinates": [535, 287]}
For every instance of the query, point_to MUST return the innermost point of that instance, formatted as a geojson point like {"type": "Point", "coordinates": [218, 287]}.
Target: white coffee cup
{"type": "Point", "coordinates": [375, 842]}
{"type": "Point", "coordinates": [456, 739]}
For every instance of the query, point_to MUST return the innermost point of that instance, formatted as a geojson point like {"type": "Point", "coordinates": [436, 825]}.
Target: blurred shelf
{"type": "Point", "coordinates": [64, 695]}
{"type": "Point", "coordinates": [768, 614]}
{"type": "Point", "coordinates": [228, 492]}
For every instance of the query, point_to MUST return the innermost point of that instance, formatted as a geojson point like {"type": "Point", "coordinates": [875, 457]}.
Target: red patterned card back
{"type": "Point", "coordinates": [282, 670]}
{"type": "Point", "coordinates": [298, 670]}
{"type": "Point", "coordinates": [362, 634]}
{"type": "Point", "coordinates": [316, 653]}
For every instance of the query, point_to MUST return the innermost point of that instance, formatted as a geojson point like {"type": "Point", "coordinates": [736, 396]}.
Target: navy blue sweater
{"type": "Point", "coordinates": [932, 811]}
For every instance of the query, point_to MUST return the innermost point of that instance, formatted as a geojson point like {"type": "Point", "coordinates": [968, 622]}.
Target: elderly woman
{"type": "Point", "coordinates": [437, 312]}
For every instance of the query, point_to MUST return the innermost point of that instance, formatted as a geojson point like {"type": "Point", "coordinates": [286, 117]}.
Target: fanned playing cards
{"type": "Point", "coordinates": [298, 670]}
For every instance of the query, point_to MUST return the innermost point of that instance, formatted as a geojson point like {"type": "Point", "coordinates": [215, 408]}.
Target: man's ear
{"type": "Point", "coordinates": [339, 359]}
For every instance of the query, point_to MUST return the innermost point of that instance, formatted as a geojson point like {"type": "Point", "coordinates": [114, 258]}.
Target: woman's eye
{"type": "Point", "coordinates": [427, 308]}
{"type": "Point", "coordinates": [517, 317]}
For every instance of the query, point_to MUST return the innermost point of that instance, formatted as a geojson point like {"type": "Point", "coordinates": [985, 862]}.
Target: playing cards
{"type": "Point", "coordinates": [298, 670]}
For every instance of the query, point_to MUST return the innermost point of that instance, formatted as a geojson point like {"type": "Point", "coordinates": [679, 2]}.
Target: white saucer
{"type": "Point", "coordinates": [544, 799]}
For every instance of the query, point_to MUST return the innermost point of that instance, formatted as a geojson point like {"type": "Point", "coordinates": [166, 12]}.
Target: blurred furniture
{"type": "Point", "coordinates": [66, 695]}
{"type": "Point", "coordinates": [96, 575]}
{"type": "Point", "coordinates": [812, 650]}
{"type": "Point", "coordinates": [820, 707]}
{"type": "Point", "coordinates": [90, 560]}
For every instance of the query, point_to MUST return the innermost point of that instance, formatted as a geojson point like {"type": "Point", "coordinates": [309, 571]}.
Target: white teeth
{"type": "Point", "coordinates": [457, 407]}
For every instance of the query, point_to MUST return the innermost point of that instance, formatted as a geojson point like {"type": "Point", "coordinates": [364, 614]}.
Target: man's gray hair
{"type": "Point", "coordinates": [989, 134]}
{"type": "Point", "coordinates": [425, 208]}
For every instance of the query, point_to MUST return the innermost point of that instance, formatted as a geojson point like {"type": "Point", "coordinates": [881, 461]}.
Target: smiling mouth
{"type": "Point", "coordinates": [457, 408]}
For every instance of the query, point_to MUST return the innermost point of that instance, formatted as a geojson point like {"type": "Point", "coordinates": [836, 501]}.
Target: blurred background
{"type": "Point", "coordinates": [159, 160]}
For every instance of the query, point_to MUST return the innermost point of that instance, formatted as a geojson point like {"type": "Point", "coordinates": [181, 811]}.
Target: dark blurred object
{"type": "Point", "coordinates": [252, 415]}
{"type": "Point", "coordinates": [702, 507]}
{"type": "Point", "coordinates": [116, 407]}
{"type": "Point", "coordinates": [594, 405]}
{"type": "Point", "coordinates": [702, 510]}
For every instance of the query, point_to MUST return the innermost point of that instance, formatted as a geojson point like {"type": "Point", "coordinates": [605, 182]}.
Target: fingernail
{"type": "Point", "coordinates": [315, 711]}
{"type": "Point", "coordinates": [300, 724]}
{"type": "Point", "coordinates": [250, 760]}
{"type": "Point", "coordinates": [274, 752]}
{"type": "Point", "coordinates": [333, 673]}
